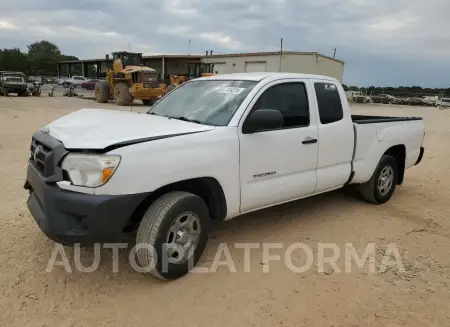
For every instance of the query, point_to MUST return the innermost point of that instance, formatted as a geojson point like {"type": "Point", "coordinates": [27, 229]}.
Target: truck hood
{"type": "Point", "coordinates": [100, 128]}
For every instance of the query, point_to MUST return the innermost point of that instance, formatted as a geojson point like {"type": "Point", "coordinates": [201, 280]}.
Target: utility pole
{"type": "Point", "coordinates": [334, 54]}
{"type": "Point", "coordinates": [281, 54]}
{"type": "Point", "coordinates": [129, 46]}
{"type": "Point", "coordinates": [189, 48]}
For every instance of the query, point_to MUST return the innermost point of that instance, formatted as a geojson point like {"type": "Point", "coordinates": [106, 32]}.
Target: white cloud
{"type": "Point", "coordinates": [7, 26]}
{"type": "Point", "coordinates": [389, 32]}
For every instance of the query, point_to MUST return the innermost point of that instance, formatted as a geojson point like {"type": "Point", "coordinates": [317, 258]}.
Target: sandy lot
{"type": "Point", "coordinates": [415, 220]}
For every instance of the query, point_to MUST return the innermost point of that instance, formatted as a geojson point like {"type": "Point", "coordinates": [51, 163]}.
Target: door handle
{"type": "Point", "coordinates": [309, 140]}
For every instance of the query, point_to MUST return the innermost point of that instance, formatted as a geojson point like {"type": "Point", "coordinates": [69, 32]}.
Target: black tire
{"type": "Point", "coordinates": [154, 230]}
{"type": "Point", "coordinates": [102, 92]}
{"type": "Point", "coordinates": [371, 192]}
{"type": "Point", "coordinates": [150, 102]}
{"type": "Point", "coordinates": [122, 95]}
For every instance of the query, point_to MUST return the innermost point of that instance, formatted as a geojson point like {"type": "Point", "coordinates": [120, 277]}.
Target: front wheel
{"type": "Point", "coordinates": [176, 228]}
{"type": "Point", "coordinates": [122, 95]}
{"type": "Point", "coordinates": [381, 186]}
{"type": "Point", "coordinates": [102, 92]}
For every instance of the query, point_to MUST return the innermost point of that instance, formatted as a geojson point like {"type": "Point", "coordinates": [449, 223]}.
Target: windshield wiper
{"type": "Point", "coordinates": [187, 119]}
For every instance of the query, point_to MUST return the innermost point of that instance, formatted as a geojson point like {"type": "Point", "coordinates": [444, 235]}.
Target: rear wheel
{"type": "Point", "coordinates": [102, 92]}
{"type": "Point", "coordinates": [381, 186]}
{"type": "Point", "coordinates": [175, 231]}
{"type": "Point", "coordinates": [122, 95]}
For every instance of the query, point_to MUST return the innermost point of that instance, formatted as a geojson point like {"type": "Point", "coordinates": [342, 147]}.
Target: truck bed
{"type": "Point", "coordinates": [365, 119]}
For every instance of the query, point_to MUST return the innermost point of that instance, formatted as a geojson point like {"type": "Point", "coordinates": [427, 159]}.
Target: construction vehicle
{"type": "Point", "coordinates": [129, 79]}
{"type": "Point", "coordinates": [195, 69]}
{"type": "Point", "coordinates": [13, 82]}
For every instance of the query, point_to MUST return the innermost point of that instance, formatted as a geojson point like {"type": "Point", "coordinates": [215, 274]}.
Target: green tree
{"type": "Point", "coordinates": [43, 57]}
{"type": "Point", "coordinates": [13, 60]}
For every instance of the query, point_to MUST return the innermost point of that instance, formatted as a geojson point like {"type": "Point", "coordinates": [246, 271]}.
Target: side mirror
{"type": "Point", "coordinates": [263, 119]}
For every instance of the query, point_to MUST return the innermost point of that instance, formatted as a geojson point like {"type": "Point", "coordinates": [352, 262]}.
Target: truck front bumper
{"type": "Point", "coordinates": [70, 217]}
{"type": "Point", "coordinates": [13, 89]}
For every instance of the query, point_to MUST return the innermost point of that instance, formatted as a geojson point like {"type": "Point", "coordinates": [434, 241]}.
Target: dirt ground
{"type": "Point", "coordinates": [416, 220]}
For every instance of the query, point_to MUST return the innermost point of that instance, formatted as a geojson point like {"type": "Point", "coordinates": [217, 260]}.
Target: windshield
{"type": "Point", "coordinates": [211, 102]}
{"type": "Point", "coordinates": [14, 79]}
{"type": "Point", "coordinates": [131, 60]}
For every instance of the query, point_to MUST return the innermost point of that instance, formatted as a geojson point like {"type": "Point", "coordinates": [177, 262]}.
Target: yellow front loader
{"type": "Point", "coordinates": [195, 69]}
{"type": "Point", "coordinates": [128, 80]}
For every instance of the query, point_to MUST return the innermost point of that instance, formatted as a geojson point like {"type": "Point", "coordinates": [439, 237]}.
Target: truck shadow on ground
{"type": "Point", "coordinates": [288, 222]}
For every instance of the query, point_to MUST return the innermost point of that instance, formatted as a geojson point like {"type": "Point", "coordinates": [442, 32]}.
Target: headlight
{"type": "Point", "coordinates": [90, 170]}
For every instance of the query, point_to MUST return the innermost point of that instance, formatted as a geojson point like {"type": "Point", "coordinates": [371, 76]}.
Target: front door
{"type": "Point", "coordinates": [280, 165]}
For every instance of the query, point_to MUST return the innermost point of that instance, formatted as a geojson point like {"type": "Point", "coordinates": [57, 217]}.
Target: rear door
{"type": "Point", "coordinates": [336, 135]}
{"type": "Point", "coordinates": [280, 165]}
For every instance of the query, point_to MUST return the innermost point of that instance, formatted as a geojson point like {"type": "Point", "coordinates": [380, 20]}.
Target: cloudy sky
{"type": "Point", "coordinates": [383, 42]}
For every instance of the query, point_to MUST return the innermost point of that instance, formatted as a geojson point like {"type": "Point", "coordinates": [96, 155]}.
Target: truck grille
{"type": "Point", "coordinates": [150, 79]}
{"type": "Point", "coordinates": [41, 158]}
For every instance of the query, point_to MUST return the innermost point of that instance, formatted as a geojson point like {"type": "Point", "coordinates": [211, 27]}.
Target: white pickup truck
{"type": "Point", "coordinates": [213, 149]}
{"type": "Point", "coordinates": [75, 80]}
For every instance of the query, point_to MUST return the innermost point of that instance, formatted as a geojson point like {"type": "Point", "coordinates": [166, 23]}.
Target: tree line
{"type": "Point", "coordinates": [40, 60]}
{"type": "Point", "coordinates": [42, 57]}
{"type": "Point", "coordinates": [401, 91]}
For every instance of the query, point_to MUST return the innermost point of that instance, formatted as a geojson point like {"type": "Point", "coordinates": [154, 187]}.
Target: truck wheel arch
{"type": "Point", "coordinates": [207, 188]}
{"type": "Point", "coordinates": [399, 153]}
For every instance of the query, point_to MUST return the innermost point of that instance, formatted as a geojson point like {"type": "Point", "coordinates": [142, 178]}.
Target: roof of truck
{"type": "Point", "coordinates": [258, 76]}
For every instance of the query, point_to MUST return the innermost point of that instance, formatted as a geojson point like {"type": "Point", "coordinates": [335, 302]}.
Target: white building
{"type": "Point", "coordinates": [286, 61]}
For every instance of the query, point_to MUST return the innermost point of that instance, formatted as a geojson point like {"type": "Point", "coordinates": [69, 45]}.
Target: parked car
{"type": "Point", "coordinates": [360, 97]}
{"type": "Point", "coordinates": [75, 80]}
{"type": "Point", "coordinates": [416, 101]}
{"type": "Point", "coordinates": [432, 101]}
{"type": "Point", "coordinates": [403, 101]}
{"type": "Point", "coordinates": [13, 82]}
{"type": "Point", "coordinates": [380, 99]}
{"type": "Point", "coordinates": [89, 84]}
{"type": "Point", "coordinates": [445, 102]}
{"type": "Point", "coordinates": [384, 98]}
{"type": "Point", "coordinates": [247, 142]}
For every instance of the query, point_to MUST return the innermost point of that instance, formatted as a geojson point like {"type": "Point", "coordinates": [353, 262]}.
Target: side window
{"type": "Point", "coordinates": [290, 99]}
{"type": "Point", "coordinates": [329, 102]}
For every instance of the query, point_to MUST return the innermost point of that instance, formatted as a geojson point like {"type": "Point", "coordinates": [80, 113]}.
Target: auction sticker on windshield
{"type": "Point", "coordinates": [230, 90]}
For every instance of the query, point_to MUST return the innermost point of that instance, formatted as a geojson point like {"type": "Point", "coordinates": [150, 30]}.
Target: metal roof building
{"type": "Point", "coordinates": [163, 64]}
{"type": "Point", "coordinates": [286, 61]}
